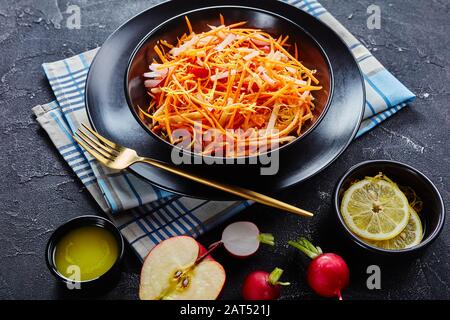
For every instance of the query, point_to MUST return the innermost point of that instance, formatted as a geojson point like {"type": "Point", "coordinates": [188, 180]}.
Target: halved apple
{"type": "Point", "coordinates": [172, 271]}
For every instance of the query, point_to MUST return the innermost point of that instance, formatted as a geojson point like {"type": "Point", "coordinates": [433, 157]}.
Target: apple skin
{"type": "Point", "coordinates": [201, 251]}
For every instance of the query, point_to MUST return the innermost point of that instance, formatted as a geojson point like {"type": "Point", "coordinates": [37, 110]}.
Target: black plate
{"type": "Point", "coordinates": [111, 116]}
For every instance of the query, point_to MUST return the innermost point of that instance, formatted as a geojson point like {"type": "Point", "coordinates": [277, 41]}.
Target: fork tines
{"type": "Point", "coordinates": [98, 146]}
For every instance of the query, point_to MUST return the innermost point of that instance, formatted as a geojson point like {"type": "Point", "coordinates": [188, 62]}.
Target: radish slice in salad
{"type": "Point", "coordinates": [228, 40]}
{"type": "Point", "coordinates": [222, 75]}
{"type": "Point", "coordinates": [152, 74]}
{"type": "Point", "coordinates": [251, 55]}
{"type": "Point", "coordinates": [242, 239]}
{"type": "Point", "coordinates": [260, 40]}
{"type": "Point", "coordinates": [265, 76]}
{"type": "Point", "coordinates": [157, 70]}
{"type": "Point", "coordinates": [187, 45]}
{"type": "Point", "coordinates": [152, 83]}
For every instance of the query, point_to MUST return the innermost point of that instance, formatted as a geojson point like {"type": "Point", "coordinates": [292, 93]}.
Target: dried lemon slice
{"type": "Point", "coordinates": [375, 208]}
{"type": "Point", "coordinates": [409, 237]}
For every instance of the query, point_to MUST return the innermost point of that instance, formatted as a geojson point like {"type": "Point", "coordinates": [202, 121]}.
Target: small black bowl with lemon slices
{"type": "Point", "coordinates": [388, 207]}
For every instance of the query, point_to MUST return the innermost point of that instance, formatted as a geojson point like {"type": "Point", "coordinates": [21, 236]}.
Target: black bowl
{"type": "Point", "coordinates": [433, 212]}
{"type": "Point", "coordinates": [100, 283]}
{"type": "Point", "coordinates": [311, 54]}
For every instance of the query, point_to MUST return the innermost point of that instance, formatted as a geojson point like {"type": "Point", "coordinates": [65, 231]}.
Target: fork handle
{"type": "Point", "coordinates": [235, 190]}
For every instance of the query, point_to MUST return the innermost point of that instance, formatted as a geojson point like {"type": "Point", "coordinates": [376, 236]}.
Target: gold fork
{"type": "Point", "coordinates": [117, 157]}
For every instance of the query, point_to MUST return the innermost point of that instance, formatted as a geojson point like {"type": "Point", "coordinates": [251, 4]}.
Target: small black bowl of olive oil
{"type": "Point", "coordinates": [85, 253]}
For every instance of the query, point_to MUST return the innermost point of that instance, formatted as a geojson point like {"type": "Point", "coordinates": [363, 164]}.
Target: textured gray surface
{"type": "Point", "coordinates": [38, 191]}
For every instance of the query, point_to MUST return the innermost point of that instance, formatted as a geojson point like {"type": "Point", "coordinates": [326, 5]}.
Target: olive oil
{"type": "Point", "coordinates": [86, 253]}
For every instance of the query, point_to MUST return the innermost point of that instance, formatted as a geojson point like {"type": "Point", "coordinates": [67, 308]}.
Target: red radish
{"type": "Point", "coordinates": [261, 285]}
{"type": "Point", "coordinates": [242, 239]}
{"type": "Point", "coordinates": [328, 273]}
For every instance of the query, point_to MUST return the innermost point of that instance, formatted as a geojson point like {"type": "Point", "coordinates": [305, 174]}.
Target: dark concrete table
{"type": "Point", "coordinates": [38, 191]}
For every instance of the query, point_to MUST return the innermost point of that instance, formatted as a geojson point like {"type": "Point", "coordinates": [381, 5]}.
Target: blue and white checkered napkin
{"type": "Point", "coordinates": [151, 214]}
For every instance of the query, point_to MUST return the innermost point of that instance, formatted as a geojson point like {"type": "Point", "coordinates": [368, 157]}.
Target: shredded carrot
{"type": "Point", "coordinates": [159, 53]}
{"type": "Point", "coordinates": [230, 77]}
{"type": "Point", "coordinates": [165, 43]}
{"type": "Point", "coordinates": [188, 24]}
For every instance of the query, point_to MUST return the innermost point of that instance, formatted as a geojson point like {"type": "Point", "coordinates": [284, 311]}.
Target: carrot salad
{"type": "Point", "coordinates": [240, 82]}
